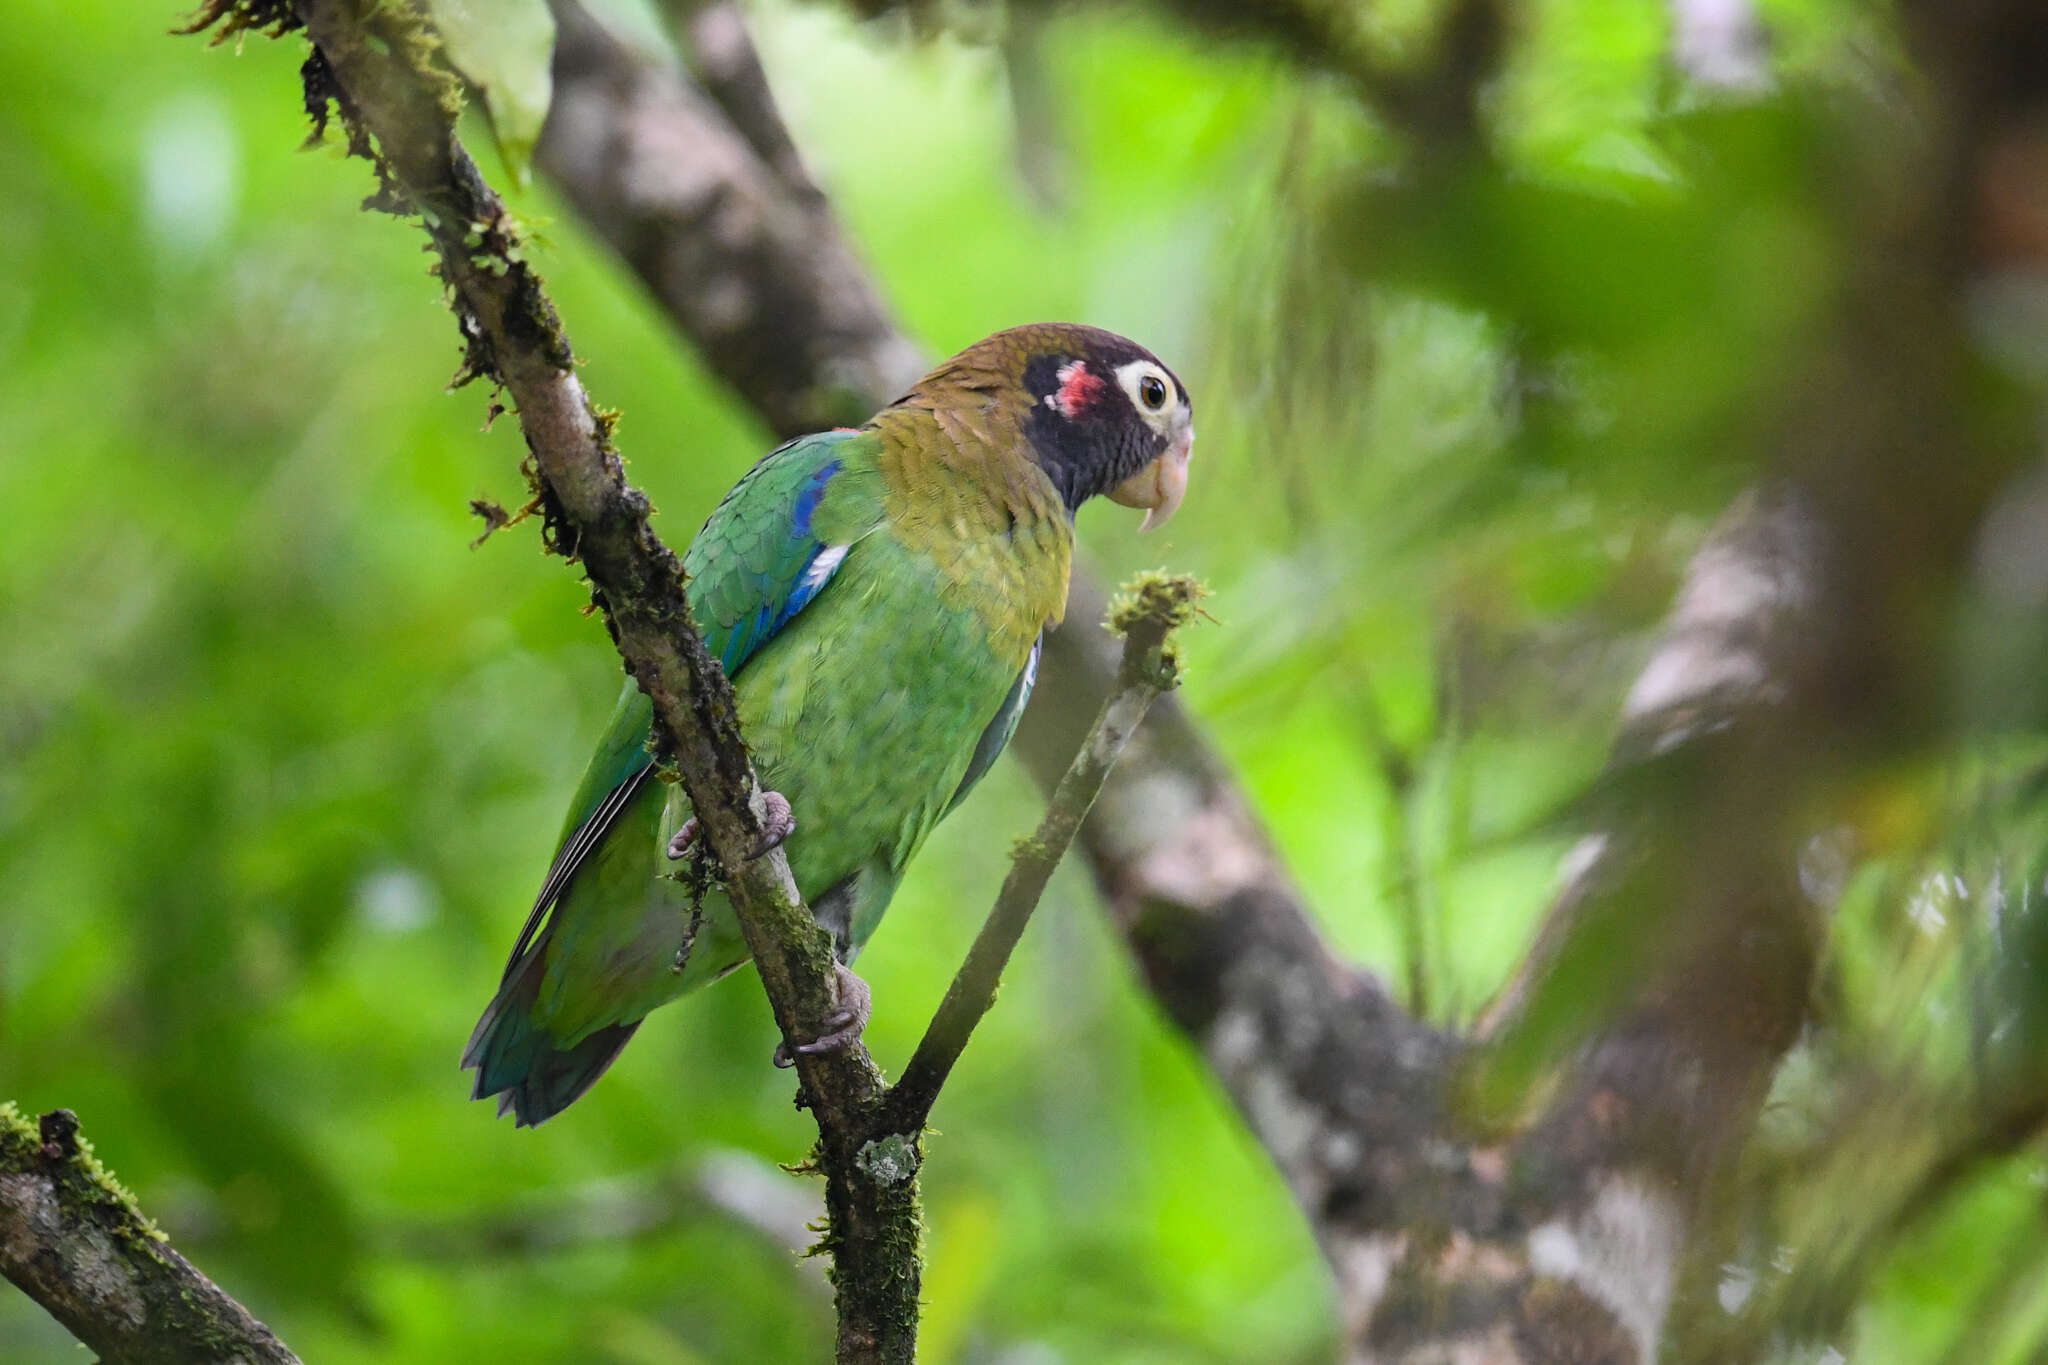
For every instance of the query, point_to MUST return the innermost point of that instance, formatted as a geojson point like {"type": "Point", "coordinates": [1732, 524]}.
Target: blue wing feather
{"type": "Point", "coordinates": [775, 571]}
{"type": "Point", "coordinates": [807, 497]}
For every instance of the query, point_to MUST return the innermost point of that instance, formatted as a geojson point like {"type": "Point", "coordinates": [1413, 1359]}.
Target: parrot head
{"type": "Point", "coordinates": [1100, 413]}
{"type": "Point", "coordinates": [1107, 417]}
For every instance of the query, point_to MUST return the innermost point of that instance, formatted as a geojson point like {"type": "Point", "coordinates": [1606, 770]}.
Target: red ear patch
{"type": "Point", "coordinates": [1078, 387]}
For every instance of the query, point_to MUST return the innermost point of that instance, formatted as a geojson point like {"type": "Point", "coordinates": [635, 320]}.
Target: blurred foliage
{"type": "Point", "coordinates": [281, 756]}
{"type": "Point", "coordinates": [504, 50]}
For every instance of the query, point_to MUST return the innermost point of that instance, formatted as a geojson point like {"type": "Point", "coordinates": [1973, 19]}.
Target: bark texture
{"type": "Point", "coordinates": [73, 1240]}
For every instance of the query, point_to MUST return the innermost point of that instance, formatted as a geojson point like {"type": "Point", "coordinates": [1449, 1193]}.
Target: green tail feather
{"type": "Point", "coordinates": [516, 1060]}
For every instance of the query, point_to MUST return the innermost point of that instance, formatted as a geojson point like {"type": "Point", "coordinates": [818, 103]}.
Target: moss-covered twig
{"type": "Point", "coordinates": [1146, 614]}
{"type": "Point", "coordinates": [379, 65]}
{"type": "Point", "coordinates": [72, 1239]}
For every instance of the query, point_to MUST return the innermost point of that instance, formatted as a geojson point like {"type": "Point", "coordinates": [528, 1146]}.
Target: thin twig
{"type": "Point", "coordinates": [737, 1189]}
{"type": "Point", "coordinates": [1146, 618]}
{"type": "Point", "coordinates": [1397, 772]}
{"type": "Point", "coordinates": [72, 1239]}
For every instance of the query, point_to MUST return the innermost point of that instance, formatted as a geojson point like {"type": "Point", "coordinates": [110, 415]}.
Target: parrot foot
{"type": "Point", "coordinates": [778, 822]}
{"type": "Point", "coordinates": [842, 1027]}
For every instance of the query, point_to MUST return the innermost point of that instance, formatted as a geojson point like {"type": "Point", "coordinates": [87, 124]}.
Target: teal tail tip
{"type": "Point", "coordinates": [515, 1059]}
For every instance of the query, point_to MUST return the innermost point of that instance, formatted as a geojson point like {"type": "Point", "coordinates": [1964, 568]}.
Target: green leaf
{"type": "Point", "coordinates": [505, 49]}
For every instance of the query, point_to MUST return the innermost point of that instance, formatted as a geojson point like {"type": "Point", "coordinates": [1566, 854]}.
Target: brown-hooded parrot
{"type": "Point", "coordinates": [876, 596]}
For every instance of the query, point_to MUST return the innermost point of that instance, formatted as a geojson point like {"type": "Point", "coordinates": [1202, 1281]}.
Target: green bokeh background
{"type": "Point", "coordinates": [281, 753]}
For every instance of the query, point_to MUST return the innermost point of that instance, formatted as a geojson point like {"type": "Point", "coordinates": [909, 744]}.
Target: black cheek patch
{"type": "Point", "coordinates": [1042, 377]}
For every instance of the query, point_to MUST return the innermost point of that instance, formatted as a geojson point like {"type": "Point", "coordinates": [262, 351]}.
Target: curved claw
{"type": "Point", "coordinates": [842, 1027]}
{"type": "Point", "coordinates": [778, 822]}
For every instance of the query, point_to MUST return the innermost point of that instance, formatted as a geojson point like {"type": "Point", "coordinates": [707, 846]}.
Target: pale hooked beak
{"type": "Point", "coordinates": [1159, 486]}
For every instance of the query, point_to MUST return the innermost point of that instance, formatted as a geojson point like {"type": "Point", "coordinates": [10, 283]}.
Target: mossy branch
{"type": "Point", "coordinates": [1146, 614]}
{"type": "Point", "coordinates": [380, 67]}
{"type": "Point", "coordinates": [73, 1239]}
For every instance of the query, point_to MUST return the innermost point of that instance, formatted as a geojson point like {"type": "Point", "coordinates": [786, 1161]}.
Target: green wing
{"type": "Point", "coordinates": [765, 552]}
{"type": "Point", "coordinates": [776, 539]}
{"type": "Point", "coordinates": [763, 555]}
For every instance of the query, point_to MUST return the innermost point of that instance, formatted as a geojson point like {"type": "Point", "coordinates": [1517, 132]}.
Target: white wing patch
{"type": "Point", "coordinates": [821, 569]}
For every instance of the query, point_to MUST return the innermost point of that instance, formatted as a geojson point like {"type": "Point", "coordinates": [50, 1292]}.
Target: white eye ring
{"type": "Point", "coordinates": [1152, 391]}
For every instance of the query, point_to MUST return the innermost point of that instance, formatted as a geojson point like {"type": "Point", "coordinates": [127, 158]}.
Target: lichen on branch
{"type": "Point", "coordinates": [73, 1239]}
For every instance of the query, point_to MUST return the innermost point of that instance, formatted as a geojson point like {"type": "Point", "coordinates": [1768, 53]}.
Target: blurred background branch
{"type": "Point", "coordinates": [707, 203]}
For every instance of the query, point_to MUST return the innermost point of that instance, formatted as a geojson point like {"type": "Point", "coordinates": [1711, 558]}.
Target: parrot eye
{"type": "Point", "coordinates": [1152, 392]}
